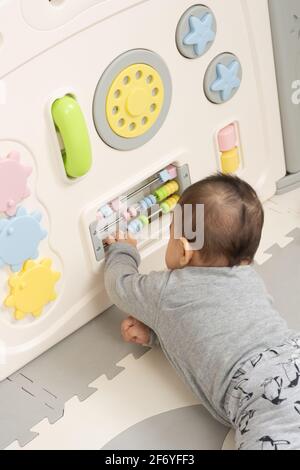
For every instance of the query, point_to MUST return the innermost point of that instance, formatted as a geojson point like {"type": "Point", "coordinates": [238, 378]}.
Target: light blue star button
{"type": "Point", "coordinates": [201, 33]}
{"type": "Point", "coordinates": [227, 80]}
{"type": "Point", "coordinates": [223, 78]}
{"type": "Point", "coordinates": [196, 31]}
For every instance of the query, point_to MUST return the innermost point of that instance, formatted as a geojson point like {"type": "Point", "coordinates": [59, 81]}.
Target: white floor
{"type": "Point", "coordinates": [148, 386]}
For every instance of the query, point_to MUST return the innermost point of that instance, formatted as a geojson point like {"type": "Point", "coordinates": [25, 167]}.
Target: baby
{"type": "Point", "coordinates": [213, 319]}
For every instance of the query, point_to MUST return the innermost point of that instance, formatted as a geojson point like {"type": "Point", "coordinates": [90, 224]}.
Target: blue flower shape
{"type": "Point", "coordinates": [20, 237]}
{"type": "Point", "coordinates": [201, 33]}
{"type": "Point", "coordinates": [227, 79]}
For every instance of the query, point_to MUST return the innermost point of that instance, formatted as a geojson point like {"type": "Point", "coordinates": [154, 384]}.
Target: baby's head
{"type": "Point", "coordinates": [233, 222]}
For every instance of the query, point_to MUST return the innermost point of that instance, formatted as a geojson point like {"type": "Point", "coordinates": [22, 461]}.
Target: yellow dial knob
{"type": "Point", "coordinates": [135, 100]}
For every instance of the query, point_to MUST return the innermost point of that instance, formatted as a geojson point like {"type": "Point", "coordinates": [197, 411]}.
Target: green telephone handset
{"type": "Point", "coordinates": [70, 123]}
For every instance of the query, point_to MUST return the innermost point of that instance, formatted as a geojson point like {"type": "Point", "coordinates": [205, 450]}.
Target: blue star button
{"type": "Point", "coordinates": [201, 33]}
{"type": "Point", "coordinates": [227, 80]}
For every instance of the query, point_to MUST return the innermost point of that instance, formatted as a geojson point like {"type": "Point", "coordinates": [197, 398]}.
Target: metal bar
{"type": "Point", "coordinates": [110, 225]}
{"type": "Point", "coordinates": [134, 193]}
{"type": "Point", "coordinates": [130, 195]}
{"type": "Point", "coordinates": [154, 214]}
{"type": "Point", "coordinates": [149, 217]}
{"type": "Point", "coordinates": [104, 229]}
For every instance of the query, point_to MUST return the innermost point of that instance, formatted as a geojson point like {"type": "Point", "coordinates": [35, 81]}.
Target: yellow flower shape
{"type": "Point", "coordinates": [32, 288]}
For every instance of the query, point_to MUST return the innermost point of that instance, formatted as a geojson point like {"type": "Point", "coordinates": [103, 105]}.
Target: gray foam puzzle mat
{"type": "Point", "coordinates": [281, 274]}
{"type": "Point", "coordinates": [188, 428]}
{"type": "Point", "coordinates": [20, 411]}
{"type": "Point", "coordinates": [42, 387]}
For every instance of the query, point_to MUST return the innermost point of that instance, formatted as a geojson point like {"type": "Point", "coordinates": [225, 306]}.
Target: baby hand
{"type": "Point", "coordinates": [134, 331]}
{"type": "Point", "coordinates": [121, 237]}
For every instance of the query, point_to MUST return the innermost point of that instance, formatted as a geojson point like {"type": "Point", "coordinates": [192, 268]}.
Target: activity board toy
{"type": "Point", "coordinates": [111, 110]}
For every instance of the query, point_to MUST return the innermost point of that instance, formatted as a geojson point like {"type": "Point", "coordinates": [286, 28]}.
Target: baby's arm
{"type": "Point", "coordinates": [137, 294]}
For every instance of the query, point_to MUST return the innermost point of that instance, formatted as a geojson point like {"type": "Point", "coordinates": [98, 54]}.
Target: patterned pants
{"type": "Point", "coordinates": [263, 401]}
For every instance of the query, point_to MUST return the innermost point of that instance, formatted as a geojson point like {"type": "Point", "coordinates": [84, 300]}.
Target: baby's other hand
{"type": "Point", "coordinates": [134, 331]}
{"type": "Point", "coordinates": [121, 237]}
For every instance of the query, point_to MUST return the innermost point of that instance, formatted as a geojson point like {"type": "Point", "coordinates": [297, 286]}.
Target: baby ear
{"type": "Point", "coordinates": [187, 252]}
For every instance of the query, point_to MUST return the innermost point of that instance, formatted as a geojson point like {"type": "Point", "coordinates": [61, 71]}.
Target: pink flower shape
{"type": "Point", "coordinates": [13, 183]}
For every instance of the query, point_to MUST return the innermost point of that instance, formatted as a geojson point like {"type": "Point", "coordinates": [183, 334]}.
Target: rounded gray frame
{"type": "Point", "coordinates": [183, 29]}
{"type": "Point", "coordinates": [211, 75]}
{"type": "Point", "coordinates": [135, 56]}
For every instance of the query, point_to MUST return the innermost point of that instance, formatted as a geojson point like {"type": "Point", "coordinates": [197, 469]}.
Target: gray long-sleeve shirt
{"type": "Point", "coordinates": [207, 320]}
